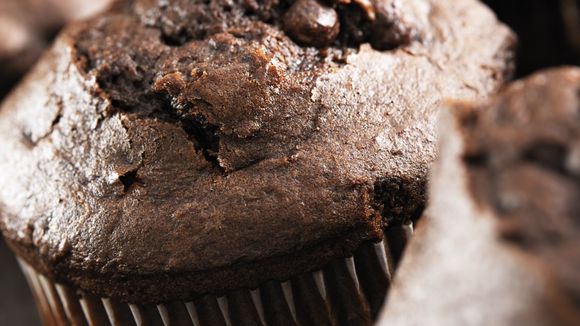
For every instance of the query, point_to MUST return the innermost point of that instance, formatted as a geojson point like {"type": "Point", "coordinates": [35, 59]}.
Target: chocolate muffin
{"type": "Point", "coordinates": [265, 158]}
{"type": "Point", "coordinates": [500, 239]}
{"type": "Point", "coordinates": [548, 31]}
{"type": "Point", "coordinates": [28, 26]}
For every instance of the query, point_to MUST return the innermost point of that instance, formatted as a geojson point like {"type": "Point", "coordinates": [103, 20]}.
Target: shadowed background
{"type": "Point", "coordinates": [548, 31]}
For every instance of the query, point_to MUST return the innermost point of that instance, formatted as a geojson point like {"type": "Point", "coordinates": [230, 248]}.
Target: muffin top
{"type": "Point", "coordinates": [501, 235]}
{"type": "Point", "coordinates": [183, 147]}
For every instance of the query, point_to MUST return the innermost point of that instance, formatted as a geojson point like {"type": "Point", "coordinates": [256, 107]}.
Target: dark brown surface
{"type": "Point", "coordinates": [523, 159]}
{"type": "Point", "coordinates": [16, 305]}
{"type": "Point", "coordinates": [548, 31]}
{"type": "Point", "coordinates": [166, 151]}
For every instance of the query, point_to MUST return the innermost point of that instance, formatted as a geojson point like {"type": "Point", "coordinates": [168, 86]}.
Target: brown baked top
{"type": "Point", "coordinates": [172, 148]}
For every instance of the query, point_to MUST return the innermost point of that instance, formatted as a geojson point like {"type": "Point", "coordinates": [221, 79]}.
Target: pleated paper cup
{"type": "Point", "coordinates": [347, 291]}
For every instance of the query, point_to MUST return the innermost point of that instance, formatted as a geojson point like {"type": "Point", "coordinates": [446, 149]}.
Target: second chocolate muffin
{"type": "Point", "coordinates": [500, 237]}
{"type": "Point", "coordinates": [189, 152]}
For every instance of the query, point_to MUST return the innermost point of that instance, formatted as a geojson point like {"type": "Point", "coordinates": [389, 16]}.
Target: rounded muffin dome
{"type": "Point", "coordinates": [187, 147]}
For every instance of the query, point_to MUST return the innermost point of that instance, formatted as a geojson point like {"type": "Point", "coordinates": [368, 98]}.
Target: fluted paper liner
{"type": "Point", "coordinates": [348, 291]}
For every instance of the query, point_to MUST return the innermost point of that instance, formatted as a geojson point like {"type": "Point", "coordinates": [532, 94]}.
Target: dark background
{"type": "Point", "coordinates": [16, 305]}
{"type": "Point", "coordinates": [545, 40]}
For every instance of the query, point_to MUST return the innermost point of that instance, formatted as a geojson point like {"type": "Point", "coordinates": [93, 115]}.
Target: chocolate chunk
{"type": "Point", "coordinates": [311, 23]}
{"type": "Point", "coordinates": [355, 25]}
{"type": "Point", "coordinates": [390, 28]}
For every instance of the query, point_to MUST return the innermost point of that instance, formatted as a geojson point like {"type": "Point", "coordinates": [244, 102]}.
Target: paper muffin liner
{"type": "Point", "coordinates": [347, 291]}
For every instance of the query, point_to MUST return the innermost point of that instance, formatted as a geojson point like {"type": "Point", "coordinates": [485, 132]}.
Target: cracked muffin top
{"type": "Point", "coordinates": [184, 147]}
